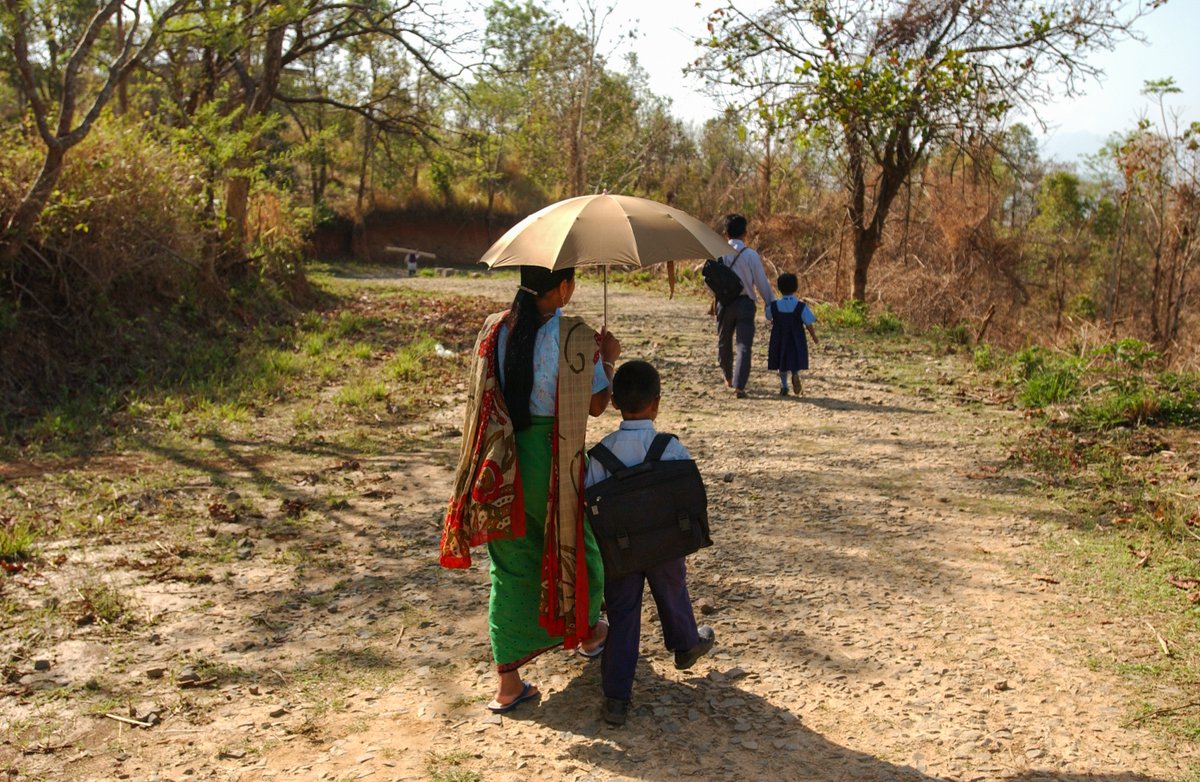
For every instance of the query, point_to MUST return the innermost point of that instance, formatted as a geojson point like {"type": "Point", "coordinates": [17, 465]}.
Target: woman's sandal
{"type": "Point", "coordinates": [527, 693]}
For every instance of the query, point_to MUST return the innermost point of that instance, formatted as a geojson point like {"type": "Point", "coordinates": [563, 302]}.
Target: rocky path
{"type": "Point", "coordinates": [875, 589]}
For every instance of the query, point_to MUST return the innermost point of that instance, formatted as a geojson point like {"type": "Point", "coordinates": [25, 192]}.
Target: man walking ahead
{"type": "Point", "coordinates": [735, 321]}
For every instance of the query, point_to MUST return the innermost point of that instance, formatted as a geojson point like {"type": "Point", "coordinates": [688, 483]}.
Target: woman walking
{"type": "Point", "coordinates": [536, 376]}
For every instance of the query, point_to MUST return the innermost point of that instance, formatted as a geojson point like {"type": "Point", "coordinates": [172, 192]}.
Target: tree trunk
{"type": "Point", "coordinates": [237, 186]}
{"type": "Point", "coordinates": [237, 207]}
{"type": "Point", "coordinates": [765, 197]}
{"type": "Point", "coordinates": [894, 170]}
{"type": "Point", "coordinates": [20, 224]}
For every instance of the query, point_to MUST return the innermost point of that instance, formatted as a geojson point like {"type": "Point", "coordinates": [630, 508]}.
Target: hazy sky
{"type": "Point", "coordinates": [665, 30]}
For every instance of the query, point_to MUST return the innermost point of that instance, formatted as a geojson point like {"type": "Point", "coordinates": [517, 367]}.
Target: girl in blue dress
{"type": "Point", "coordinates": [790, 317]}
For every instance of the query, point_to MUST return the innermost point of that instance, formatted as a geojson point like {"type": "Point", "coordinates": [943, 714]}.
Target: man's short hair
{"type": "Point", "coordinates": [735, 226]}
{"type": "Point", "coordinates": [787, 283]}
{"type": "Point", "coordinates": [635, 386]}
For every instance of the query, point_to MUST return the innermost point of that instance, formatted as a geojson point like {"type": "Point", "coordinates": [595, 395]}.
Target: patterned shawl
{"type": "Point", "coordinates": [488, 503]}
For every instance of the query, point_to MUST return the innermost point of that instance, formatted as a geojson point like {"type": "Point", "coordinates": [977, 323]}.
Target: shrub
{"type": "Point", "coordinates": [983, 358]}
{"type": "Point", "coordinates": [887, 322]}
{"type": "Point", "coordinates": [852, 315]}
{"type": "Point", "coordinates": [1049, 386]}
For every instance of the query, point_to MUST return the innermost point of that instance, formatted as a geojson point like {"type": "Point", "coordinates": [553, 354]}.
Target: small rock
{"type": "Point", "coordinates": [41, 665]}
{"type": "Point", "coordinates": [728, 478]}
{"type": "Point", "coordinates": [188, 675]}
{"type": "Point", "coordinates": [155, 673]}
{"type": "Point", "coordinates": [1001, 685]}
{"type": "Point", "coordinates": [735, 673]}
{"type": "Point", "coordinates": [278, 711]}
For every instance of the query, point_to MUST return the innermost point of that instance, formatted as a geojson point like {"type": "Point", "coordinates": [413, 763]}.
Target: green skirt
{"type": "Point", "coordinates": [516, 565]}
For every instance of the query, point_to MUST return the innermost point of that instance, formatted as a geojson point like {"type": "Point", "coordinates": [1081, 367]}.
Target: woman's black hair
{"type": "Point", "coordinates": [787, 283]}
{"type": "Point", "coordinates": [523, 323]}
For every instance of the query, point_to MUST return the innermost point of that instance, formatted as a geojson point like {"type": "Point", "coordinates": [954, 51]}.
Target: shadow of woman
{"type": "Point", "coordinates": [707, 727]}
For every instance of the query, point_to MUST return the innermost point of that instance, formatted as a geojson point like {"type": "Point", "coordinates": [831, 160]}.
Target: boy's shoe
{"type": "Point", "coordinates": [615, 711]}
{"type": "Point", "coordinates": [687, 658]}
{"type": "Point", "coordinates": [739, 393]}
{"type": "Point", "coordinates": [796, 383]}
{"type": "Point", "coordinates": [783, 391]}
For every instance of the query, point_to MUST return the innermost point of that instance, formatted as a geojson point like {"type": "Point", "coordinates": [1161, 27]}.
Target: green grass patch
{"type": "Point", "coordinates": [361, 393]}
{"type": "Point", "coordinates": [447, 767]}
{"type": "Point", "coordinates": [411, 362]}
{"type": "Point", "coordinates": [105, 604]}
{"type": "Point", "coordinates": [18, 540]}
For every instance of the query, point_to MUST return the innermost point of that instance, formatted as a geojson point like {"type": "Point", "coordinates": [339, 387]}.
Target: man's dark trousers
{"type": "Point", "coordinates": [735, 337]}
{"type": "Point", "coordinates": [623, 601]}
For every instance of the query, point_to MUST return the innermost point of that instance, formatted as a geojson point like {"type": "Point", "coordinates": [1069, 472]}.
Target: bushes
{"type": "Point", "coordinates": [1115, 385]}
{"type": "Point", "coordinates": [124, 282]}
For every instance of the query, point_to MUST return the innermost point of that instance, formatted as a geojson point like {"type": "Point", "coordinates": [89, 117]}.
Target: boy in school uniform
{"type": "Point", "coordinates": [635, 392]}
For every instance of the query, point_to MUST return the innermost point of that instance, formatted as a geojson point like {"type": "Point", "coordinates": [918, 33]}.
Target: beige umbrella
{"type": "Point", "coordinates": [604, 230]}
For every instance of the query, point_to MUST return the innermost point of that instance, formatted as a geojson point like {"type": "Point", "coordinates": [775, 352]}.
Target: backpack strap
{"type": "Point", "coordinates": [739, 255]}
{"type": "Point", "coordinates": [657, 446]}
{"type": "Point", "coordinates": [600, 453]}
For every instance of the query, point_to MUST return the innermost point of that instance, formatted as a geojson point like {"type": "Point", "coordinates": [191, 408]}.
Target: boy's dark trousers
{"type": "Point", "coordinates": [623, 601]}
{"type": "Point", "coordinates": [735, 339]}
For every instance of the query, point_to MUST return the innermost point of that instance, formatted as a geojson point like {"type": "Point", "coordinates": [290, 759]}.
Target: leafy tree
{"type": "Point", "coordinates": [890, 81]}
{"type": "Point", "coordinates": [1062, 213]}
{"type": "Point", "coordinates": [243, 64]}
{"type": "Point", "coordinates": [67, 97]}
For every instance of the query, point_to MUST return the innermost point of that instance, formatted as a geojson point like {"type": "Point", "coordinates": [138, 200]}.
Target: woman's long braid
{"type": "Point", "coordinates": [523, 322]}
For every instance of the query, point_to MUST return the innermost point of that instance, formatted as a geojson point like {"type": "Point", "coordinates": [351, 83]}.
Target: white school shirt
{"type": "Point", "coordinates": [749, 270]}
{"type": "Point", "coordinates": [629, 444]}
{"type": "Point", "coordinates": [789, 303]}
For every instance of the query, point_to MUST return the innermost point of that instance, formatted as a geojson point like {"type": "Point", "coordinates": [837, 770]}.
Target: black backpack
{"type": "Point", "coordinates": [722, 280]}
{"type": "Point", "coordinates": [649, 513]}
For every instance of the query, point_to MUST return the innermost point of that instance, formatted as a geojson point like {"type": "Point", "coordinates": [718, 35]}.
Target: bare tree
{"type": "Point", "coordinates": [893, 80]}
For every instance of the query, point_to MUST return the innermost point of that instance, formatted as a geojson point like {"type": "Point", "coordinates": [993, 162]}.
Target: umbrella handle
{"type": "Point", "coordinates": [606, 296]}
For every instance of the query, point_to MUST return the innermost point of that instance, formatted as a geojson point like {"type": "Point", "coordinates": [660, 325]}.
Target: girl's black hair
{"type": "Point", "coordinates": [787, 283]}
{"type": "Point", "coordinates": [523, 323]}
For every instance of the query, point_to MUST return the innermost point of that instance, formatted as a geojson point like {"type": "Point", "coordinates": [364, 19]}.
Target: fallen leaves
{"type": "Point", "coordinates": [1186, 583]}
{"type": "Point", "coordinates": [220, 512]}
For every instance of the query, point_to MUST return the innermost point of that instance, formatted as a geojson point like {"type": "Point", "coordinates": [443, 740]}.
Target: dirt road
{"type": "Point", "coordinates": [881, 601]}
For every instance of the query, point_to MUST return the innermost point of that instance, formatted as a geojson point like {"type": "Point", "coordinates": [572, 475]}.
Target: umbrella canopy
{"type": "Point", "coordinates": [604, 230]}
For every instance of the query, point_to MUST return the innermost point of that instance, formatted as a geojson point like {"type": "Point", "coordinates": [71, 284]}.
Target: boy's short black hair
{"type": "Point", "coordinates": [787, 283]}
{"type": "Point", "coordinates": [635, 386]}
{"type": "Point", "coordinates": [735, 226]}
